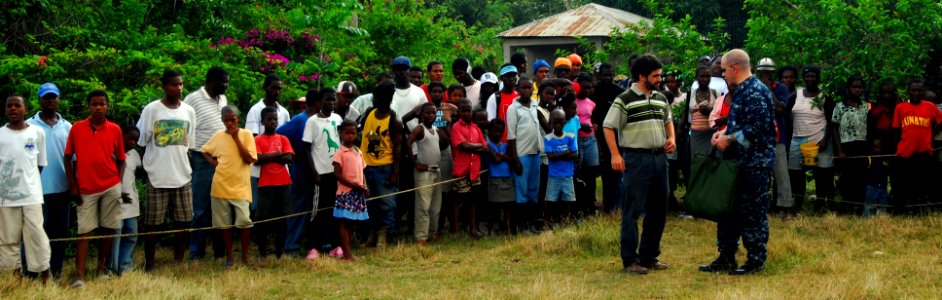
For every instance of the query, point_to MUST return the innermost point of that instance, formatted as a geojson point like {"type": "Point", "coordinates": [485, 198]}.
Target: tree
{"type": "Point", "coordinates": [876, 39]}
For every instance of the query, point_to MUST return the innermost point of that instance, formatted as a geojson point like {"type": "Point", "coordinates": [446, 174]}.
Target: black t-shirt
{"type": "Point", "coordinates": [605, 94]}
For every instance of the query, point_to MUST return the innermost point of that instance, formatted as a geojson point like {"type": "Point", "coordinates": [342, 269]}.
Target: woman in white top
{"type": "Point", "coordinates": [811, 113]}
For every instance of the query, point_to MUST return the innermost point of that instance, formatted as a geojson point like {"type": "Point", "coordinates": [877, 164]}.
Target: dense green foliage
{"type": "Point", "coordinates": [124, 46]}
{"type": "Point", "coordinates": [875, 39]}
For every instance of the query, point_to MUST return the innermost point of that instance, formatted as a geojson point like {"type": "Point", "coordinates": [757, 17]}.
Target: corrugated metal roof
{"type": "Point", "coordinates": [588, 20]}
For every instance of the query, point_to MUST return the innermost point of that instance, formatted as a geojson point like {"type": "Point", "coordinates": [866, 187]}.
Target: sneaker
{"type": "Point", "coordinates": [78, 284]}
{"type": "Point", "coordinates": [337, 252]}
{"type": "Point", "coordinates": [313, 254]}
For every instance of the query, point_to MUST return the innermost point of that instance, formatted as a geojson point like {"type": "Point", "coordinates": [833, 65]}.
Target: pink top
{"type": "Point", "coordinates": [718, 111]}
{"type": "Point", "coordinates": [352, 165]}
{"type": "Point", "coordinates": [584, 109]}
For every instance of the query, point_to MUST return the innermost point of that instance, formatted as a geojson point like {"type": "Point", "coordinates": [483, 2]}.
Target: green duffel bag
{"type": "Point", "coordinates": [711, 189]}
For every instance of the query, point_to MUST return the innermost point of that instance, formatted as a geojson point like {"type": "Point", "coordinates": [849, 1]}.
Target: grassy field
{"type": "Point", "coordinates": [812, 257]}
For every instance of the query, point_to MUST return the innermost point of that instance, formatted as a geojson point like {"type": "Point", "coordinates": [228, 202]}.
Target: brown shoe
{"type": "Point", "coordinates": [657, 266]}
{"type": "Point", "coordinates": [637, 269]}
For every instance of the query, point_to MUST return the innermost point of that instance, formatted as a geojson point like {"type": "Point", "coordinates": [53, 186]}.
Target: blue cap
{"type": "Point", "coordinates": [540, 63]}
{"type": "Point", "coordinates": [508, 69]}
{"type": "Point", "coordinates": [47, 88]}
{"type": "Point", "coordinates": [402, 60]}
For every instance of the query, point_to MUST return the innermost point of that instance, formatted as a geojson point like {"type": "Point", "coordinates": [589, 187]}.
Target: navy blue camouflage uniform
{"type": "Point", "coordinates": [752, 122]}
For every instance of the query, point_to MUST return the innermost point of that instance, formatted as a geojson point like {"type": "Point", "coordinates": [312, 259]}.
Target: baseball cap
{"type": "Point", "coordinates": [402, 60]}
{"type": "Point", "coordinates": [507, 69]}
{"type": "Point", "coordinates": [346, 87]}
{"type": "Point", "coordinates": [47, 88]}
{"type": "Point", "coordinates": [490, 77]}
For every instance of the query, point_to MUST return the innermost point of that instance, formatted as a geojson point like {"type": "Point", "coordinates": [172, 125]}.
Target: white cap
{"type": "Point", "coordinates": [489, 78]}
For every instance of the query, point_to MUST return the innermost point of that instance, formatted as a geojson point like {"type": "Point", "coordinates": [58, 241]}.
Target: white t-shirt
{"type": "Point", "coordinates": [352, 114]}
{"type": "Point", "coordinates": [473, 93]}
{"type": "Point", "coordinates": [324, 139]}
{"type": "Point", "coordinates": [131, 164]}
{"type": "Point", "coordinates": [21, 154]}
{"type": "Point", "coordinates": [253, 120]}
{"type": "Point", "coordinates": [253, 123]}
{"type": "Point", "coordinates": [166, 135]}
{"type": "Point", "coordinates": [405, 100]}
{"type": "Point", "coordinates": [716, 83]}
{"type": "Point", "coordinates": [362, 103]}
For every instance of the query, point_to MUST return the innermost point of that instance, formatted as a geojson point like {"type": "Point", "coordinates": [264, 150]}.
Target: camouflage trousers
{"type": "Point", "coordinates": [750, 219]}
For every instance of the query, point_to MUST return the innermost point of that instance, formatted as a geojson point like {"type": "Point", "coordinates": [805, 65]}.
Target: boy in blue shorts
{"type": "Point", "coordinates": [562, 151]}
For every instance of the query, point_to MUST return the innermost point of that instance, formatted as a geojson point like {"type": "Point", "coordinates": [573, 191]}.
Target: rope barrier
{"type": "Point", "coordinates": [188, 230]}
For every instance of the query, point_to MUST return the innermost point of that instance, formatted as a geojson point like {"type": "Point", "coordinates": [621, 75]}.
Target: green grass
{"type": "Point", "coordinates": [809, 257]}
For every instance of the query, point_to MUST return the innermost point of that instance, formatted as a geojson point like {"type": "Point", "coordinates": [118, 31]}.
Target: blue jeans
{"type": "Point", "coordinates": [588, 152]}
{"type": "Point", "coordinates": [202, 213]}
{"type": "Point", "coordinates": [254, 203]}
{"type": "Point", "coordinates": [646, 190]}
{"type": "Point", "coordinates": [302, 199]}
{"type": "Point", "coordinates": [527, 184]}
{"type": "Point", "coordinates": [876, 195]}
{"type": "Point", "coordinates": [382, 211]}
{"type": "Point", "coordinates": [122, 255]}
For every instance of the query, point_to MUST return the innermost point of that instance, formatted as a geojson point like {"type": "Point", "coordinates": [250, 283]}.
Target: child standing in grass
{"type": "Point", "coordinates": [500, 185]}
{"type": "Point", "coordinates": [467, 142]}
{"type": "Point", "coordinates": [122, 253]}
{"type": "Point", "coordinates": [274, 183]}
{"type": "Point", "coordinates": [562, 151]}
{"type": "Point", "coordinates": [232, 151]}
{"type": "Point", "coordinates": [426, 157]}
{"type": "Point", "coordinates": [877, 175]}
{"type": "Point", "coordinates": [22, 157]}
{"type": "Point", "coordinates": [350, 204]}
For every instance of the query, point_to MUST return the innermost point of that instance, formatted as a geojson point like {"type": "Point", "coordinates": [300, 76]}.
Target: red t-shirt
{"type": "Point", "coordinates": [95, 154]}
{"type": "Point", "coordinates": [916, 122]}
{"type": "Point", "coordinates": [466, 163]}
{"type": "Point", "coordinates": [883, 114]}
{"type": "Point", "coordinates": [429, 96]}
{"type": "Point", "coordinates": [273, 174]}
{"type": "Point", "coordinates": [505, 101]}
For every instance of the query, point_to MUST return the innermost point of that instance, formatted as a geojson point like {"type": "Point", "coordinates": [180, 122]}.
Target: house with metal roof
{"type": "Point", "coordinates": [541, 38]}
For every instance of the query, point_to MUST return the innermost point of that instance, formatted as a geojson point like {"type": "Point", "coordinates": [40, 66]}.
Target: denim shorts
{"type": "Point", "coordinates": [560, 189]}
{"type": "Point", "coordinates": [588, 152]}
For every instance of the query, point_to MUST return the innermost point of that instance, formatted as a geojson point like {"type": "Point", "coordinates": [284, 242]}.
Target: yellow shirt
{"type": "Point", "coordinates": [232, 178]}
{"type": "Point", "coordinates": [376, 141]}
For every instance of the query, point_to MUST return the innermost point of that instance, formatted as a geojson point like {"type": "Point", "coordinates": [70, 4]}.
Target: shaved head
{"type": "Point", "coordinates": [737, 66]}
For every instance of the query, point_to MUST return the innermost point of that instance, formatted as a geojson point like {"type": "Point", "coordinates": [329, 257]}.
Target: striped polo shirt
{"type": "Point", "coordinates": [208, 116]}
{"type": "Point", "coordinates": [640, 121]}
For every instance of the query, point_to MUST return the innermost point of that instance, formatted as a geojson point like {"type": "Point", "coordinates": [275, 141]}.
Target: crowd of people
{"type": "Point", "coordinates": [501, 153]}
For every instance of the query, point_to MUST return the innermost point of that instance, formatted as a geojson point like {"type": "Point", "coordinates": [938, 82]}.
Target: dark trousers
{"type": "Point", "coordinates": [914, 181]}
{"type": "Point", "coordinates": [301, 195]}
{"type": "Point", "coordinates": [325, 227]}
{"type": "Point", "coordinates": [645, 182]}
{"type": "Point", "coordinates": [273, 202]}
{"type": "Point", "coordinates": [750, 220]}
{"type": "Point", "coordinates": [202, 211]}
{"type": "Point", "coordinates": [611, 187]}
{"type": "Point", "coordinates": [57, 214]}
{"type": "Point", "coordinates": [824, 187]}
{"type": "Point", "coordinates": [853, 175]}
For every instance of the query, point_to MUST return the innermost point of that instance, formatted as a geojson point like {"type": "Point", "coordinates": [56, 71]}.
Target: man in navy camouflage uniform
{"type": "Point", "coordinates": [751, 131]}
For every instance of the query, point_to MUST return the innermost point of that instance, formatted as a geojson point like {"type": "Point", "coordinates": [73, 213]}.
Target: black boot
{"type": "Point", "coordinates": [750, 267]}
{"type": "Point", "coordinates": [723, 263]}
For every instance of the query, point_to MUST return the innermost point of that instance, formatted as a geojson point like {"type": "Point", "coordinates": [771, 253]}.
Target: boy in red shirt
{"type": "Point", "coordinates": [915, 120]}
{"type": "Point", "coordinates": [274, 181]}
{"type": "Point", "coordinates": [98, 148]}
{"type": "Point", "coordinates": [468, 144]}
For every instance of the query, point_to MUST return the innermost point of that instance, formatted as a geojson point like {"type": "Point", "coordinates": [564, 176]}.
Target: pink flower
{"type": "Point", "coordinates": [302, 78]}
{"type": "Point", "coordinates": [317, 37]}
{"type": "Point", "coordinates": [325, 59]}
{"type": "Point", "coordinates": [42, 61]}
{"type": "Point", "coordinates": [316, 76]}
